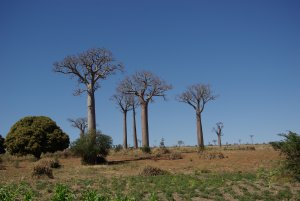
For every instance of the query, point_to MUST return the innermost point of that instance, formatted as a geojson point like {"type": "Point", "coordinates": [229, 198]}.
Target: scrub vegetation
{"type": "Point", "coordinates": [242, 174]}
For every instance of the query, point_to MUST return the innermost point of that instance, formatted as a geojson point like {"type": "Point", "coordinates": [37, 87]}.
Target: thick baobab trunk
{"type": "Point", "coordinates": [199, 130]}
{"type": "Point", "coordinates": [145, 130]}
{"type": "Point", "coordinates": [219, 140]}
{"type": "Point", "coordinates": [125, 130]}
{"type": "Point", "coordinates": [91, 110]}
{"type": "Point", "coordinates": [135, 142]}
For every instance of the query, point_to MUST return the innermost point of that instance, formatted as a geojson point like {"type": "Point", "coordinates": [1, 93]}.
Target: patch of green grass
{"type": "Point", "coordinates": [162, 187]}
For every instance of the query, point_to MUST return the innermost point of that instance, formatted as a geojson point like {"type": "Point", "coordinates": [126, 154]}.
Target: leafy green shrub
{"type": "Point", "coordinates": [42, 168]}
{"type": "Point", "coordinates": [152, 171]}
{"type": "Point", "coordinates": [146, 149]}
{"type": "Point", "coordinates": [91, 195]}
{"type": "Point", "coordinates": [13, 192]}
{"type": "Point", "coordinates": [2, 146]}
{"type": "Point", "coordinates": [290, 148]}
{"type": "Point", "coordinates": [92, 147]}
{"type": "Point", "coordinates": [62, 193]}
{"type": "Point", "coordinates": [35, 135]}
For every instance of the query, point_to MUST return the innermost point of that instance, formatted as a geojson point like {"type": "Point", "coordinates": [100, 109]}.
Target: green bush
{"type": "Point", "coordinates": [92, 147]}
{"type": "Point", "coordinates": [290, 148]}
{"type": "Point", "coordinates": [35, 135]}
{"type": "Point", "coordinates": [62, 193]}
{"type": "Point", "coordinates": [2, 147]}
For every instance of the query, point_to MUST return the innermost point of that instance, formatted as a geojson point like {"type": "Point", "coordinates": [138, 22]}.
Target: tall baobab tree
{"type": "Point", "coordinates": [197, 96]}
{"type": "Point", "coordinates": [218, 130]}
{"type": "Point", "coordinates": [89, 68]}
{"type": "Point", "coordinates": [124, 102]}
{"type": "Point", "coordinates": [80, 123]}
{"type": "Point", "coordinates": [145, 86]}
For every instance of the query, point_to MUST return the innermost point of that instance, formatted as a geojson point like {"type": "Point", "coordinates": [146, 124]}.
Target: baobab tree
{"type": "Point", "coordinates": [145, 86]}
{"type": "Point", "coordinates": [197, 96]}
{"type": "Point", "coordinates": [89, 68]}
{"type": "Point", "coordinates": [218, 130]}
{"type": "Point", "coordinates": [134, 105]}
{"type": "Point", "coordinates": [80, 123]}
{"type": "Point", "coordinates": [124, 103]}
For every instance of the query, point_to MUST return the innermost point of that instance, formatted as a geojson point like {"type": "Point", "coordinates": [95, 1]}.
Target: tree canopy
{"type": "Point", "coordinates": [35, 135]}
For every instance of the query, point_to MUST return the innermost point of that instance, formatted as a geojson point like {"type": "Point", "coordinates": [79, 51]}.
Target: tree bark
{"type": "Point", "coordinates": [145, 130]}
{"type": "Point", "coordinates": [219, 140]}
{"type": "Point", "coordinates": [125, 130]}
{"type": "Point", "coordinates": [135, 142]}
{"type": "Point", "coordinates": [199, 130]}
{"type": "Point", "coordinates": [91, 110]}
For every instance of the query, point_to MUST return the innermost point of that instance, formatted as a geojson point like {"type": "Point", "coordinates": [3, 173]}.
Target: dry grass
{"type": "Point", "coordinates": [126, 163]}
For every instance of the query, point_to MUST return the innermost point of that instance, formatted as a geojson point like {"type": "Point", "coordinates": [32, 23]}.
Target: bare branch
{"type": "Point", "coordinates": [89, 67]}
{"type": "Point", "coordinates": [145, 85]}
{"type": "Point", "coordinates": [80, 123]}
{"type": "Point", "coordinates": [197, 96]}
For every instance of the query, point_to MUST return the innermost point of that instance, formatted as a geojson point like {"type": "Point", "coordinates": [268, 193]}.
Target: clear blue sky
{"type": "Point", "coordinates": [248, 51]}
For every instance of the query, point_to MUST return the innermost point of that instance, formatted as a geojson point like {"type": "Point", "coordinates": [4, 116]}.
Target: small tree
{"type": "Point", "coordinates": [35, 135]}
{"type": "Point", "coordinates": [145, 86]}
{"type": "Point", "coordinates": [2, 147]}
{"type": "Point", "coordinates": [290, 148]}
{"type": "Point", "coordinates": [197, 96]}
{"type": "Point", "coordinates": [90, 152]}
{"type": "Point", "coordinates": [214, 141]}
{"type": "Point", "coordinates": [218, 130]}
{"type": "Point", "coordinates": [162, 143]}
{"type": "Point", "coordinates": [180, 143]}
{"type": "Point", "coordinates": [251, 136]}
{"type": "Point", "coordinates": [80, 123]}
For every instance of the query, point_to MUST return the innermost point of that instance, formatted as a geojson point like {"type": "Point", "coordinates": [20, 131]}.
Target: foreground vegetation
{"type": "Point", "coordinates": [226, 186]}
{"type": "Point", "coordinates": [236, 173]}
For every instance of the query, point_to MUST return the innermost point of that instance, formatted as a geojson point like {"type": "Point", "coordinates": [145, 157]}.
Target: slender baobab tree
{"type": "Point", "coordinates": [80, 123]}
{"type": "Point", "coordinates": [89, 68]}
{"type": "Point", "coordinates": [145, 86]}
{"type": "Point", "coordinates": [134, 103]}
{"type": "Point", "coordinates": [197, 96]}
{"type": "Point", "coordinates": [135, 140]}
{"type": "Point", "coordinates": [218, 130]}
{"type": "Point", "coordinates": [124, 102]}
